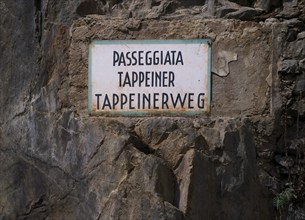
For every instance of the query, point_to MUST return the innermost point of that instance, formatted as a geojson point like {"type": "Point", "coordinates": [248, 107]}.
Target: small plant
{"type": "Point", "coordinates": [283, 199]}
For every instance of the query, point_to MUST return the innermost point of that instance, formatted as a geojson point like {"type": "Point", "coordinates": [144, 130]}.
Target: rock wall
{"type": "Point", "coordinates": [245, 160]}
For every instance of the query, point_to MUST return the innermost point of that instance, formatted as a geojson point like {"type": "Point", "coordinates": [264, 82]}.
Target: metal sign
{"type": "Point", "coordinates": [150, 77]}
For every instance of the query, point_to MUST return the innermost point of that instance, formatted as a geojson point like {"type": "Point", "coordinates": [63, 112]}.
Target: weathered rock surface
{"type": "Point", "coordinates": [59, 162]}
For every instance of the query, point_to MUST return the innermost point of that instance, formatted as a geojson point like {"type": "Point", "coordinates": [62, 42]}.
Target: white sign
{"type": "Point", "coordinates": [134, 77]}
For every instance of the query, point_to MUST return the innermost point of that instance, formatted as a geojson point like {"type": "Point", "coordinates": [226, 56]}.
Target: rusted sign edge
{"type": "Point", "coordinates": [154, 41]}
{"type": "Point", "coordinates": [90, 78]}
{"type": "Point", "coordinates": [209, 42]}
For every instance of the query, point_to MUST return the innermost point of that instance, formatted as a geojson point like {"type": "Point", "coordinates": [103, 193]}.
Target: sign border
{"type": "Point", "coordinates": [150, 112]}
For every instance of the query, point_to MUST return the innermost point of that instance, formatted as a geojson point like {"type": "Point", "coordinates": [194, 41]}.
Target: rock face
{"type": "Point", "coordinates": [59, 162]}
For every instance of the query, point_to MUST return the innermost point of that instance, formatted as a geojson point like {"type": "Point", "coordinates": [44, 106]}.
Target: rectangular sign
{"type": "Point", "coordinates": [150, 77]}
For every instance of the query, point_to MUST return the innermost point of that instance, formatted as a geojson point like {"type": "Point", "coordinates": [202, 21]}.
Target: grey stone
{"type": "Point", "coordinates": [178, 143]}
{"type": "Point", "coordinates": [16, 71]}
{"type": "Point", "coordinates": [189, 172]}
{"type": "Point", "coordinates": [297, 170]}
{"type": "Point", "coordinates": [290, 9]}
{"type": "Point", "coordinates": [266, 154]}
{"type": "Point", "coordinates": [155, 131]}
{"type": "Point", "coordinates": [271, 20]}
{"type": "Point", "coordinates": [294, 23]}
{"type": "Point", "coordinates": [240, 151]}
{"type": "Point", "coordinates": [263, 4]}
{"type": "Point", "coordinates": [242, 2]}
{"type": "Point", "coordinates": [220, 8]}
{"type": "Point", "coordinates": [298, 108]}
{"type": "Point", "coordinates": [223, 11]}
{"type": "Point", "coordinates": [289, 13]}
{"type": "Point", "coordinates": [284, 161]}
{"type": "Point", "coordinates": [296, 50]}
{"type": "Point", "coordinates": [289, 67]}
{"type": "Point", "coordinates": [212, 137]}
{"type": "Point", "coordinates": [269, 181]}
{"type": "Point", "coordinates": [172, 213]}
{"type": "Point", "coordinates": [297, 145]}
{"type": "Point", "coordinates": [301, 35]}
{"type": "Point", "coordinates": [245, 13]}
{"type": "Point", "coordinates": [296, 212]}
{"type": "Point", "coordinates": [292, 35]}
{"type": "Point", "coordinates": [241, 9]}
{"type": "Point", "coordinates": [268, 5]}
{"type": "Point", "coordinates": [300, 83]}
{"type": "Point", "coordinates": [302, 65]}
